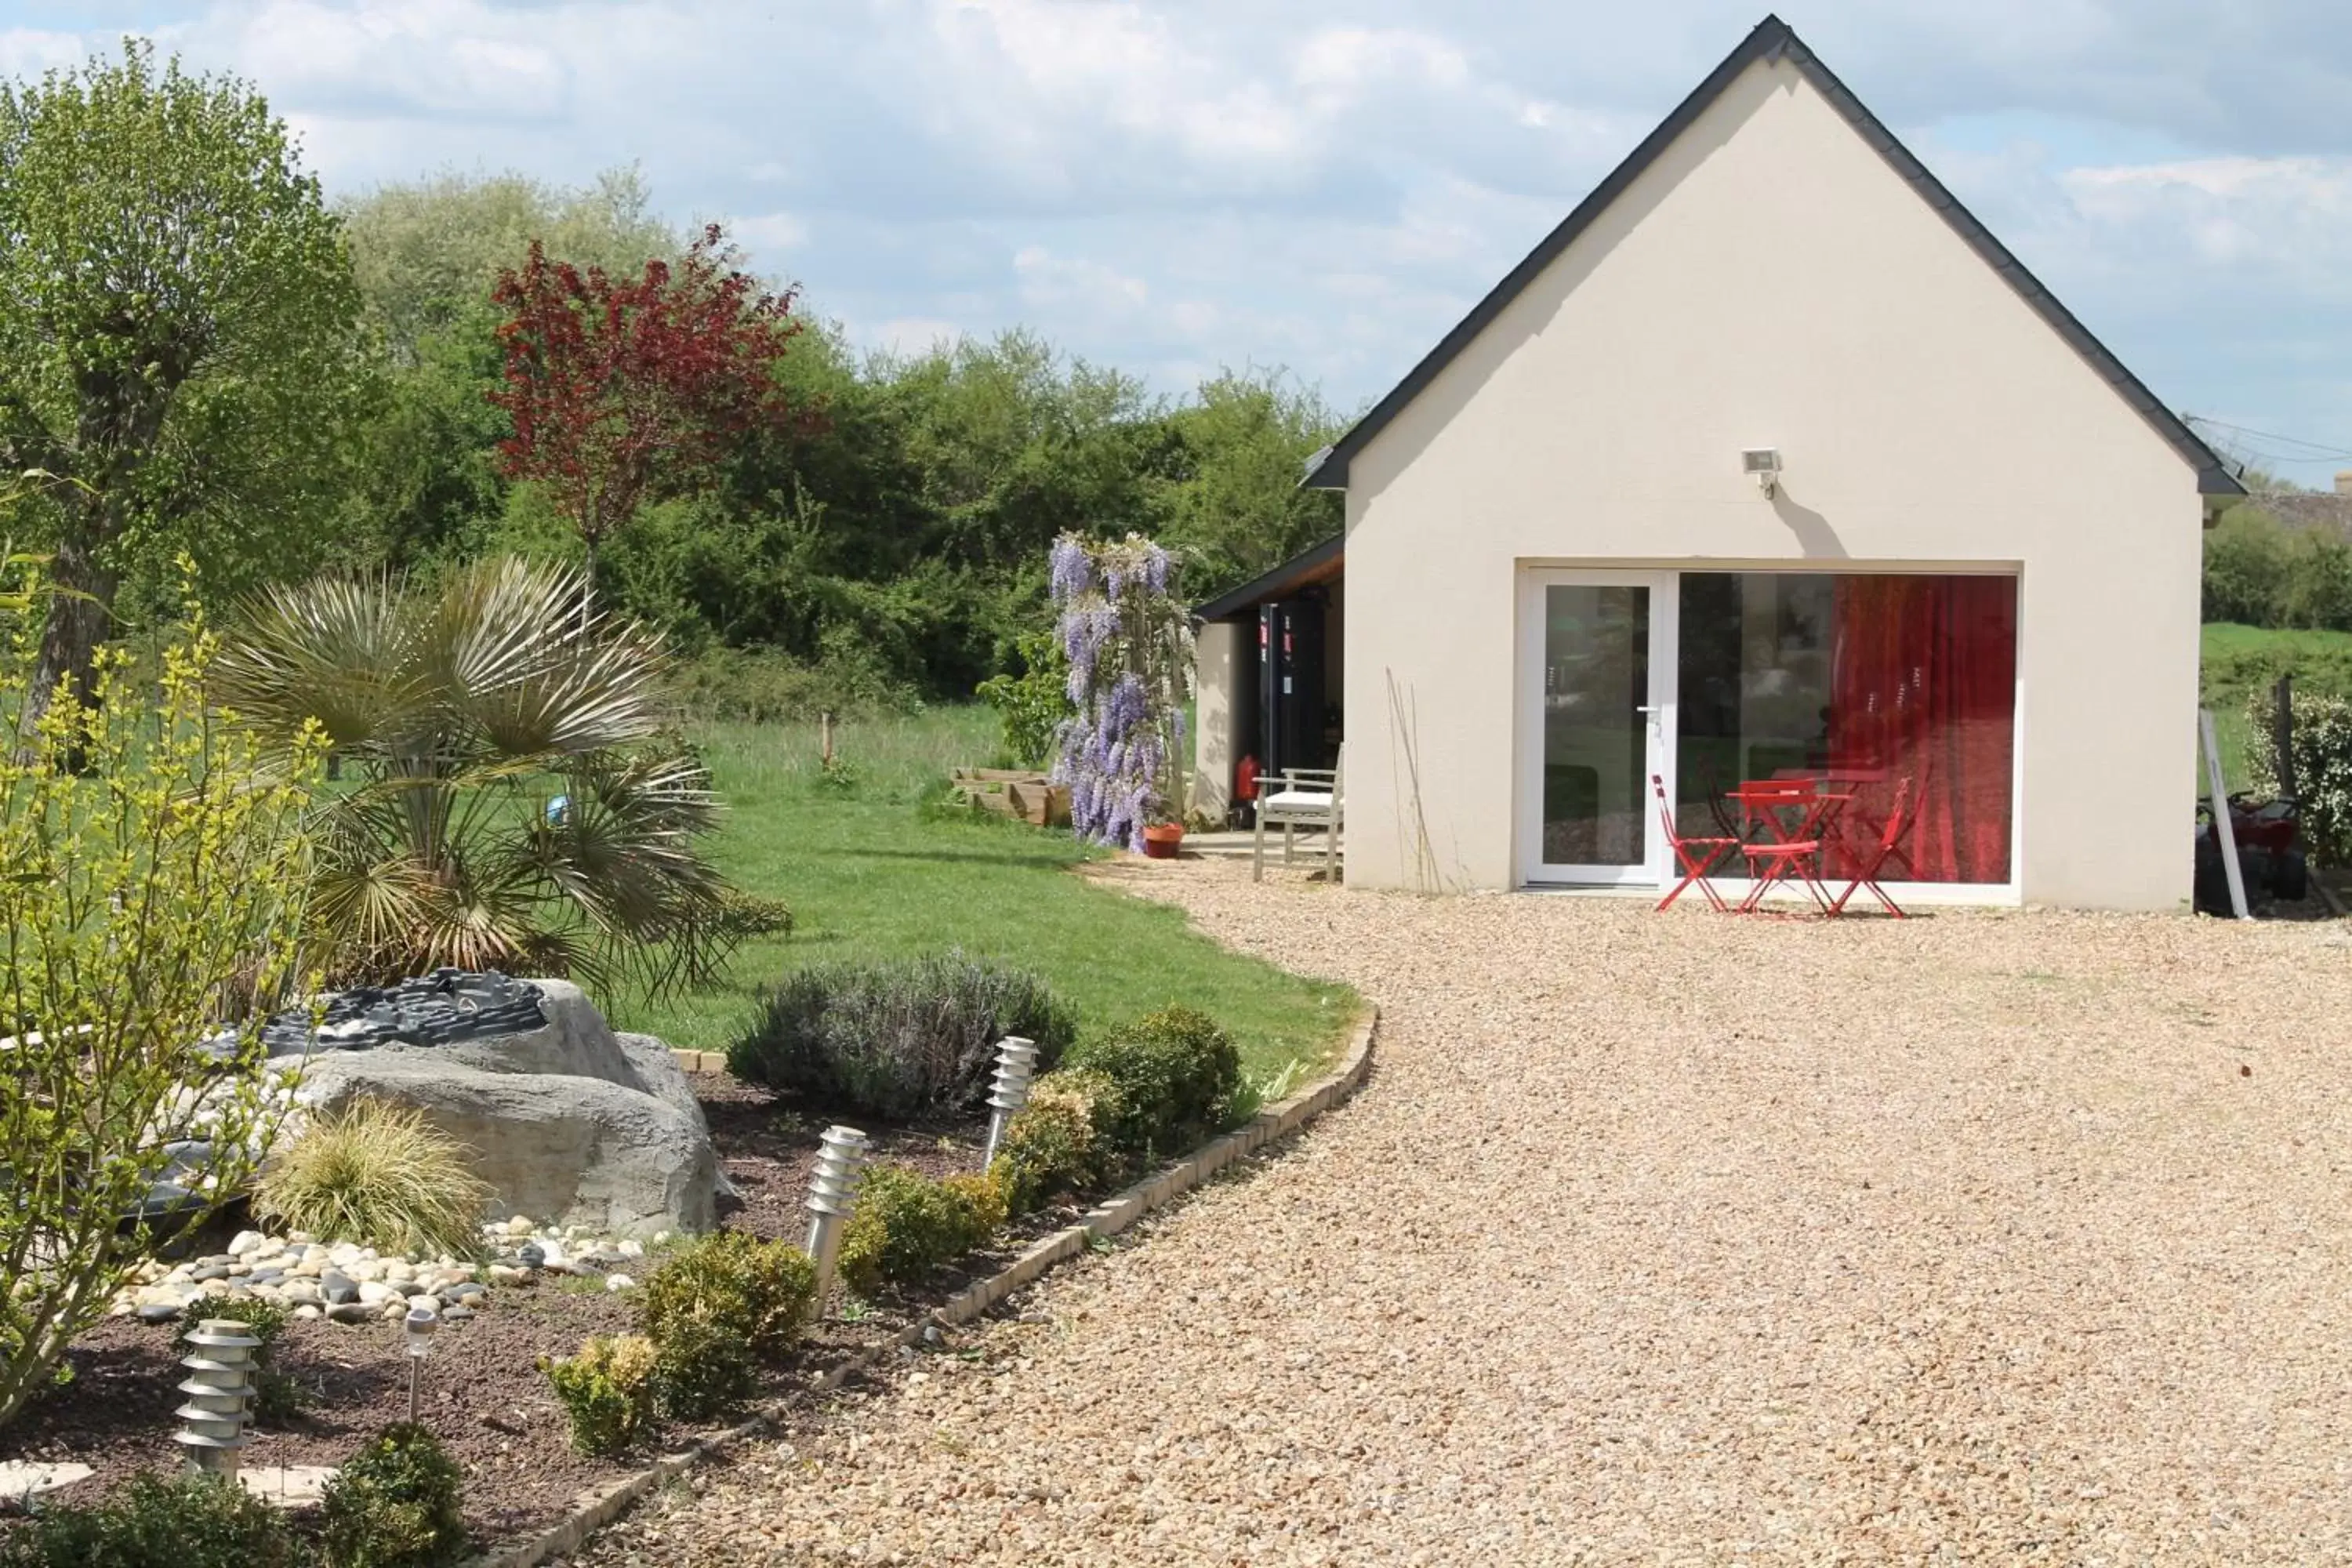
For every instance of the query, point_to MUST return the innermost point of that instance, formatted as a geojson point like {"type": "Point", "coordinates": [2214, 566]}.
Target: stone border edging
{"type": "Point", "coordinates": [598, 1508]}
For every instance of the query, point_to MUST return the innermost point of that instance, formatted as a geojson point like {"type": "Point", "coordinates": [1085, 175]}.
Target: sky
{"type": "Point", "coordinates": [1325, 186]}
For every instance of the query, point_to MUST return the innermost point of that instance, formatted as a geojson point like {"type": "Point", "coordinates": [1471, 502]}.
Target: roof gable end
{"type": "Point", "coordinates": [1774, 40]}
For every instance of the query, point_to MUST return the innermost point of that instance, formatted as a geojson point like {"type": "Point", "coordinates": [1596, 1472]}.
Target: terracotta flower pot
{"type": "Point", "coordinates": [1162, 839]}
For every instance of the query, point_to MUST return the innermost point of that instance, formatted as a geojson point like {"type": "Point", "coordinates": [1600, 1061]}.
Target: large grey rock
{"type": "Point", "coordinates": [566, 1123]}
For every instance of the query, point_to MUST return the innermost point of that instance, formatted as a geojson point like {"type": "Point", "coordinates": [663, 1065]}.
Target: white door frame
{"type": "Point", "coordinates": [1657, 860]}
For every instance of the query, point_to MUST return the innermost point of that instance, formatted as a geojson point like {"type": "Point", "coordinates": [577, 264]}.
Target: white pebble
{"type": "Point", "coordinates": [619, 1282]}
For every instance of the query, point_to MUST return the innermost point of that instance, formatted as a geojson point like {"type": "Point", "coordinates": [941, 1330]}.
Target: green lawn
{"type": "Point", "coordinates": [876, 865]}
{"type": "Point", "coordinates": [2239, 659]}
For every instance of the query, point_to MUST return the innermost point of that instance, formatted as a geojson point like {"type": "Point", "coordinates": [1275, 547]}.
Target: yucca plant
{"type": "Point", "coordinates": [511, 807]}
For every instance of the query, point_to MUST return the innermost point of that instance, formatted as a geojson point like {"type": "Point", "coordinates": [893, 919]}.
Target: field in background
{"type": "Point", "coordinates": [876, 863]}
{"type": "Point", "coordinates": [2239, 659]}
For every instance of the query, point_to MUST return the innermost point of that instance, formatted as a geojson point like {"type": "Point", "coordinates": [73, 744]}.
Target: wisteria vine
{"type": "Point", "coordinates": [1129, 644]}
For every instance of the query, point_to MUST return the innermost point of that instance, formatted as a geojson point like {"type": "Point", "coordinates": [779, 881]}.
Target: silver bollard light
{"type": "Point", "coordinates": [1016, 1063]}
{"type": "Point", "coordinates": [833, 1193]}
{"type": "Point", "coordinates": [220, 1390]}
{"type": "Point", "coordinates": [418, 1330]}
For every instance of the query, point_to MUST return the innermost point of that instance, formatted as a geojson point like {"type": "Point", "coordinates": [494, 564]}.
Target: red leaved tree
{"type": "Point", "coordinates": [627, 390]}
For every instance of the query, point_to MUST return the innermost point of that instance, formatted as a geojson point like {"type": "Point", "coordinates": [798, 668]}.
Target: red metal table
{"type": "Point", "coordinates": [1789, 852]}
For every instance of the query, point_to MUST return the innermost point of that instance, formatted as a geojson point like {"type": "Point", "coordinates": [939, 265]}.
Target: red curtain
{"type": "Point", "coordinates": [1924, 688]}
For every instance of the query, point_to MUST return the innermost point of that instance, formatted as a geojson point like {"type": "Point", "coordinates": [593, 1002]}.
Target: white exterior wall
{"type": "Point", "coordinates": [1770, 282]}
{"type": "Point", "coordinates": [1216, 713]}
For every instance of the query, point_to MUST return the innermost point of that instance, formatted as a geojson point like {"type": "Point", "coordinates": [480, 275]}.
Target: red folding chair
{"type": "Point", "coordinates": [1696, 857]}
{"type": "Point", "coordinates": [1874, 856]}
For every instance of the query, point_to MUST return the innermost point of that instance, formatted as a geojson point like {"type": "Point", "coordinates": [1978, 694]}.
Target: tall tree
{"type": "Point", "coordinates": [1229, 495]}
{"type": "Point", "coordinates": [428, 252]}
{"type": "Point", "coordinates": [623, 390]}
{"type": "Point", "coordinates": [176, 334]}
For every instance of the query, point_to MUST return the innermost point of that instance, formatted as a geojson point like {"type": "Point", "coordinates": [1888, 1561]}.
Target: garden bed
{"type": "Point", "coordinates": [482, 1392]}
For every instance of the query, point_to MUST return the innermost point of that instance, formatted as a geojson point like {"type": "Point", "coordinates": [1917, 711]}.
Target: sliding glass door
{"type": "Point", "coordinates": [1596, 706]}
{"type": "Point", "coordinates": [1895, 690]}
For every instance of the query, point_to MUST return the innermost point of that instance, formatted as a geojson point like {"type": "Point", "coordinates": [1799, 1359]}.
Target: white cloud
{"type": "Point", "coordinates": [908, 335]}
{"type": "Point", "coordinates": [1168, 184]}
{"type": "Point", "coordinates": [1051, 282]}
{"type": "Point", "coordinates": [429, 58]}
{"type": "Point", "coordinates": [2290, 214]}
{"type": "Point", "coordinates": [770, 236]}
{"type": "Point", "coordinates": [29, 51]}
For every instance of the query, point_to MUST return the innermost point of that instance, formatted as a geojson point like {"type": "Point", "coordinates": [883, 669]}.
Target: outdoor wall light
{"type": "Point", "coordinates": [833, 1193]}
{"type": "Point", "coordinates": [220, 1396]}
{"type": "Point", "coordinates": [1016, 1062]}
{"type": "Point", "coordinates": [418, 1330]}
{"type": "Point", "coordinates": [1762, 464]}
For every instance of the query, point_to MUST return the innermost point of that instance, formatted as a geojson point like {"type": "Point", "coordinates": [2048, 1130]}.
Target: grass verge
{"type": "Point", "coordinates": [875, 864]}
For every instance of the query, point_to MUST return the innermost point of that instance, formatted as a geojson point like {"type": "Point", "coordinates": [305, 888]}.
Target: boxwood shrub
{"type": "Point", "coordinates": [716, 1311]}
{"type": "Point", "coordinates": [1176, 1071]}
{"type": "Point", "coordinates": [1062, 1141]}
{"type": "Point", "coordinates": [906, 1225]}
{"type": "Point", "coordinates": [189, 1521]}
{"type": "Point", "coordinates": [397, 1503]}
{"type": "Point", "coordinates": [901, 1039]}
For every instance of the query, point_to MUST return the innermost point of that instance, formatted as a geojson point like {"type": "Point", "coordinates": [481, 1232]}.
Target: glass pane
{"type": "Point", "coordinates": [1923, 701]}
{"type": "Point", "coordinates": [1882, 686]}
{"type": "Point", "coordinates": [1595, 737]}
{"type": "Point", "coordinates": [1753, 681]}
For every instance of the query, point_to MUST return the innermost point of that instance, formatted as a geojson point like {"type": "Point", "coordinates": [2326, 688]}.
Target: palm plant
{"type": "Point", "coordinates": [513, 807]}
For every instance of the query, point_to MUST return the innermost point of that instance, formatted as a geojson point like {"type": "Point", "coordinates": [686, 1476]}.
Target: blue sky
{"type": "Point", "coordinates": [1173, 185]}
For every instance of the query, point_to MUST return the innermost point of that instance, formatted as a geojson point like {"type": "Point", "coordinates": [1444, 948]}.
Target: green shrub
{"type": "Point", "coordinates": [2248, 566]}
{"type": "Point", "coordinates": [899, 1039]}
{"type": "Point", "coordinates": [763, 686]}
{"type": "Point", "coordinates": [276, 1396]}
{"type": "Point", "coordinates": [1033, 704]}
{"type": "Point", "coordinates": [1061, 1140]}
{"type": "Point", "coordinates": [906, 1225]}
{"type": "Point", "coordinates": [152, 866]}
{"type": "Point", "coordinates": [2319, 583]}
{"type": "Point", "coordinates": [189, 1521]}
{"type": "Point", "coordinates": [398, 1503]}
{"type": "Point", "coordinates": [606, 1390]}
{"type": "Point", "coordinates": [379, 1175]}
{"type": "Point", "coordinates": [715, 1311]}
{"type": "Point", "coordinates": [743, 915]}
{"type": "Point", "coordinates": [701, 1372]}
{"type": "Point", "coordinates": [2323, 768]}
{"type": "Point", "coordinates": [1177, 1073]}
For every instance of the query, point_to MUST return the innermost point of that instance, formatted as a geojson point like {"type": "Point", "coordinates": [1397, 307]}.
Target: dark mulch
{"type": "Point", "coordinates": [482, 1390]}
{"type": "Point", "coordinates": [770, 1149]}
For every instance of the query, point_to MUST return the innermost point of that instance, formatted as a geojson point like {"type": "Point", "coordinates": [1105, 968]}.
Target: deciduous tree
{"type": "Point", "coordinates": [623, 390]}
{"type": "Point", "coordinates": [176, 336]}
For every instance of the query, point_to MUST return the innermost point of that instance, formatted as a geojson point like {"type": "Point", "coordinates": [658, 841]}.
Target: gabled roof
{"type": "Point", "coordinates": [1317, 564]}
{"type": "Point", "coordinates": [1774, 40]}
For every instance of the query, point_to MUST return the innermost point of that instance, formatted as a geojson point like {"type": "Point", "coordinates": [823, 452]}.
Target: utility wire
{"type": "Point", "coordinates": [2320, 452]}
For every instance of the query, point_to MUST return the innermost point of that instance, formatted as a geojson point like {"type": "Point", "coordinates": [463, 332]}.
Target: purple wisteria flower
{"type": "Point", "coordinates": [1128, 643]}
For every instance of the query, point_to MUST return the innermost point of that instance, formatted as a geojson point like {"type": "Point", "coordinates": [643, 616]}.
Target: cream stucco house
{"type": "Point", "coordinates": [1769, 460]}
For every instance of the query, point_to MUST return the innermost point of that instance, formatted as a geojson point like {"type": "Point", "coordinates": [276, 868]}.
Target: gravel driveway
{"type": "Point", "coordinates": [1680, 1239]}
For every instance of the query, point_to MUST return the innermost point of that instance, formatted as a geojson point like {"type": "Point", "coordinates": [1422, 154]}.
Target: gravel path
{"type": "Point", "coordinates": [1680, 1239]}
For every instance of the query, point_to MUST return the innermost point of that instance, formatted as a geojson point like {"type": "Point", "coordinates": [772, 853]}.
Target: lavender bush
{"type": "Point", "coordinates": [1129, 643]}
